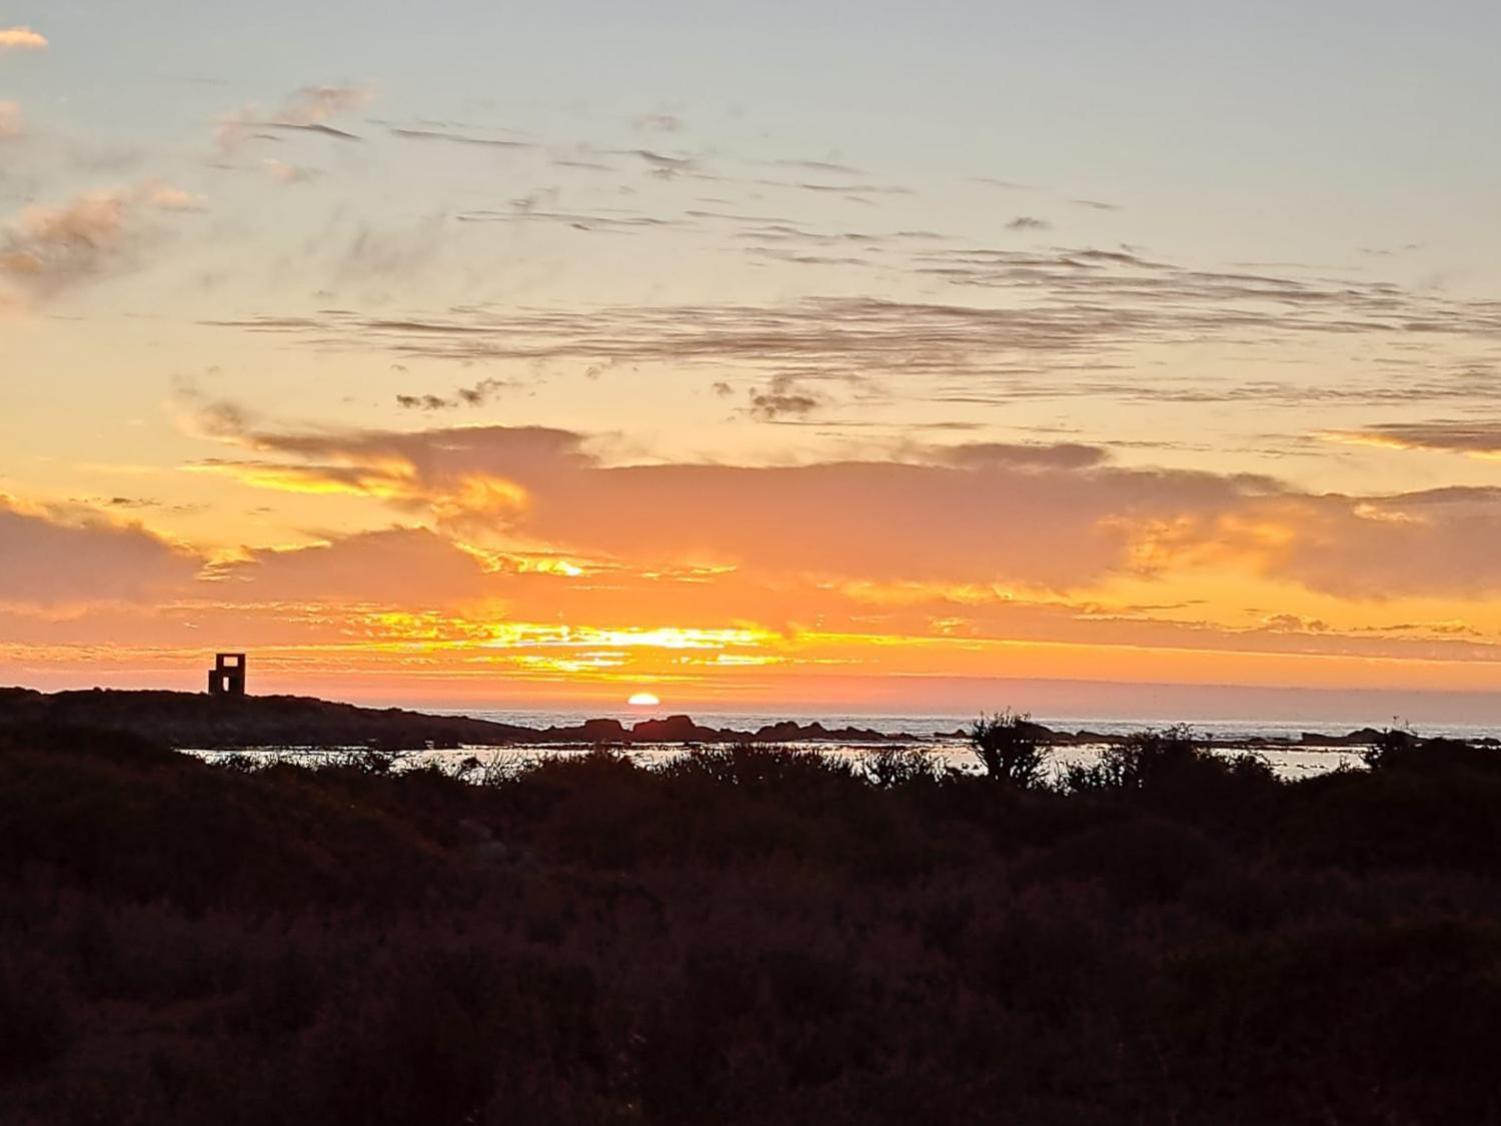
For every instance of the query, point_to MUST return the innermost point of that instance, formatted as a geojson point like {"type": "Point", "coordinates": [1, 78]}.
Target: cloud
{"type": "Point", "coordinates": [526, 211]}
{"type": "Point", "coordinates": [1054, 516]}
{"type": "Point", "coordinates": [1435, 542]}
{"type": "Point", "coordinates": [826, 166]}
{"type": "Point", "coordinates": [1063, 455]}
{"type": "Point", "coordinates": [21, 39]}
{"type": "Point", "coordinates": [848, 190]}
{"type": "Point", "coordinates": [1025, 515]}
{"type": "Point", "coordinates": [12, 121]}
{"type": "Point", "coordinates": [586, 165]}
{"type": "Point", "coordinates": [47, 248]}
{"type": "Point", "coordinates": [475, 396]}
{"type": "Point", "coordinates": [52, 555]}
{"type": "Point", "coordinates": [399, 566]}
{"type": "Point", "coordinates": [1004, 185]}
{"type": "Point", "coordinates": [1033, 323]}
{"type": "Point", "coordinates": [168, 198]}
{"type": "Point", "coordinates": [308, 110]}
{"type": "Point", "coordinates": [458, 138]}
{"type": "Point", "coordinates": [312, 105]}
{"type": "Point", "coordinates": [1028, 223]}
{"type": "Point", "coordinates": [660, 161]}
{"type": "Point", "coordinates": [1478, 439]}
{"type": "Point", "coordinates": [658, 123]}
{"type": "Point", "coordinates": [781, 399]}
{"type": "Point", "coordinates": [282, 172]}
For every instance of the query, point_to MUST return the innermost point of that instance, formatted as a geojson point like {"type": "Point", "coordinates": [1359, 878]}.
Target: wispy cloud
{"type": "Point", "coordinates": [459, 138]}
{"type": "Point", "coordinates": [286, 173]}
{"type": "Point", "coordinates": [308, 109]}
{"type": "Point", "coordinates": [314, 104]}
{"type": "Point", "coordinates": [828, 167]}
{"type": "Point", "coordinates": [783, 398]}
{"type": "Point", "coordinates": [1072, 315]}
{"type": "Point", "coordinates": [1004, 185]}
{"type": "Point", "coordinates": [1474, 438]}
{"type": "Point", "coordinates": [658, 123]}
{"type": "Point", "coordinates": [49, 247]}
{"type": "Point", "coordinates": [475, 396]}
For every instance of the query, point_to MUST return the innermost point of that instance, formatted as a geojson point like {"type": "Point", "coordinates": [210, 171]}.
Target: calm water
{"type": "Point", "coordinates": [933, 733]}
{"type": "Point", "coordinates": [928, 725]}
{"type": "Point", "coordinates": [930, 732]}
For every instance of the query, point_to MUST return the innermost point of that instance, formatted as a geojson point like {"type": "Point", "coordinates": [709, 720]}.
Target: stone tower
{"type": "Point", "coordinates": [227, 677]}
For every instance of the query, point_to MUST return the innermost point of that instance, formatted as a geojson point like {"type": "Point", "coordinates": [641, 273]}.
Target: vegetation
{"type": "Point", "coordinates": [748, 935]}
{"type": "Point", "coordinates": [1009, 749]}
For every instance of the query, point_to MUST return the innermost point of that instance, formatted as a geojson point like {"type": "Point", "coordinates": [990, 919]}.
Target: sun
{"type": "Point", "coordinates": [643, 700]}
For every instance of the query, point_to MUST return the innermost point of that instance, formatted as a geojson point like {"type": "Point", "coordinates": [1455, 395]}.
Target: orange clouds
{"type": "Point", "coordinates": [529, 557]}
{"type": "Point", "coordinates": [420, 605]}
{"type": "Point", "coordinates": [1049, 516]}
{"type": "Point", "coordinates": [52, 555]}
{"type": "Point", "coordinates": [1476, 438]}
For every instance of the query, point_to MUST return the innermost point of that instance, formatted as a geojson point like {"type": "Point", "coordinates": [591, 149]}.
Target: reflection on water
{"type": "Point", "coordinates": [482, 763]}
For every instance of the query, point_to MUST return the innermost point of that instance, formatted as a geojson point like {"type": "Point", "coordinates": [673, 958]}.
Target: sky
{"type": "Point", "coordinates": [887, 357]}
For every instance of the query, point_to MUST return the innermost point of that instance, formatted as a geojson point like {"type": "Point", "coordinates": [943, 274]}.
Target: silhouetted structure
{"type": "Point", "coordinates": [227, 677]}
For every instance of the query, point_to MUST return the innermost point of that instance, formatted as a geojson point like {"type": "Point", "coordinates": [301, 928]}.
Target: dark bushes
{"type": "Point", "coordinates": [35, 1015]}
{"type": "Point", "coordinates": [748, 935]}
{"type": "Point", "coordinates": [1008, 749]}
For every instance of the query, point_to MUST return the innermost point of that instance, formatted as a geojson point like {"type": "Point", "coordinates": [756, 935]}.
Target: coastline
{"type": "Point", "coordinates": [200, 721]}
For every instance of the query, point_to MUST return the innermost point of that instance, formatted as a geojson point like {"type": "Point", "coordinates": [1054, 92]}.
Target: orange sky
{"type": "Point", "coordinates": [428, 387]}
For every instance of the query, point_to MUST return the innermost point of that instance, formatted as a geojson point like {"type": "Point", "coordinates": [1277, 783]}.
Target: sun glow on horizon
{"type": "Point", "coordinates": [644, 700]}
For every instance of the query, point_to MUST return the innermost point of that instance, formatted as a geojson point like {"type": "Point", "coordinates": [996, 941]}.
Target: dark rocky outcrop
{"type": "Point", "coordinates": [186, 719]}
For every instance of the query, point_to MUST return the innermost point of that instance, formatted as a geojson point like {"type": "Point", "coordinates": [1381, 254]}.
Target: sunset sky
{"type": "Point", "coordinates": [806, 355]}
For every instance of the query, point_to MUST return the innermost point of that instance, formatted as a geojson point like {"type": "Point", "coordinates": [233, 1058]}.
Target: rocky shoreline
{"type": "Point", "coordinates": [186, 719]}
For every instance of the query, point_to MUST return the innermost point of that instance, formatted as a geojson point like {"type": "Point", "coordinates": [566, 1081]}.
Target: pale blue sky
{"type": "Point", "coordinates": [1246, 124]}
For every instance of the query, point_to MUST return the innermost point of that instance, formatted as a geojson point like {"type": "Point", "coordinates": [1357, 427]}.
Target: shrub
{"type": "Point", "coordinates": [1008, 749]}
{"type": "Point", "coordinates": [1390, 746]}
{"type": "Point", "coordinates": [889, 767]}
{"type": "Point", "coordinates": [1137, 761]}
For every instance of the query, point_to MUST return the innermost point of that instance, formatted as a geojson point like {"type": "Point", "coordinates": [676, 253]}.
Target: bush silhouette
{"type": "Point", "coordinates": [747, 935]}
{"type": "Point", "coordinates": [1008, 749]}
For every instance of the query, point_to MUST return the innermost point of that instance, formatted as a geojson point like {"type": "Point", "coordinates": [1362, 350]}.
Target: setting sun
{"type": "Point", "coordinates": [643, 700]}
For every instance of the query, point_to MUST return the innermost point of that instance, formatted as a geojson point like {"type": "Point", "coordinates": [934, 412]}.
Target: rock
{"type": "Point", "coordinates": [673, 729]}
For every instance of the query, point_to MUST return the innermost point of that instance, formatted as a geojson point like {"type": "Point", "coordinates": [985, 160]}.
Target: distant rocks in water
{"type": "Point", "coordinates": [789, 732]}
{"type": "Point", "coordinates": [683, 729]}
{"type": "Point", "coordinates": [1364, 737]}
{"type": "Point", "coordinates": [197, 720]}
{"type": "Point", "coordinates": [188, 719]}
{"type": "Point", "coordinates": [597, 731]}
{"type": "Point", "coordinates": [1045, 735]}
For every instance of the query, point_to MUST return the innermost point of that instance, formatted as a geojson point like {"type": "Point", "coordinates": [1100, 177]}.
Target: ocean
{"type": "Point", "coordinates": [928, 725]}
{"type": "Point", "coordinates": [930, 732]}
